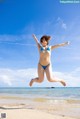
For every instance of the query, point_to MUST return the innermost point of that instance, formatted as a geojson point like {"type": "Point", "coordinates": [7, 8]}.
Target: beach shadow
{"type": "Point", "coordinates": [9, 108]}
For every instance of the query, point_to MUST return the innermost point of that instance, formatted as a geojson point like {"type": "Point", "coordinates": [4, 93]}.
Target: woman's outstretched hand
{"type": "Point", "coordinates": [33, 35]}
{"type": "Point", "coordinates": [35, 38]}
{"type": "Point", "coordinates": [67, 43]}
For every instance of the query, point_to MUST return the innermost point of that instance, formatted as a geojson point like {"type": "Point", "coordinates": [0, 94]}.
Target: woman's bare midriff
{"type": "Point", "coordinates": [44, 59]}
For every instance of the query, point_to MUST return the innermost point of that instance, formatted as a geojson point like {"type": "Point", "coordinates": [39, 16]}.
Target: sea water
{"type": "Point", "coordinates": [45, 92]}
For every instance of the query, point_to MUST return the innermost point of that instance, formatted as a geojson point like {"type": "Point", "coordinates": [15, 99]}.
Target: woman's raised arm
{"type": "Point", "coordinates": [37, 42]}
{"type": "Point", "coordinates": [59, 45]}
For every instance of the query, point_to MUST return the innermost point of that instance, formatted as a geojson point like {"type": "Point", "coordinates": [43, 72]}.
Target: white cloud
{"type": "Point", "coordinates": [21, 77]}
{"type": "Point", "coordinates": [72, 78]}
{"type": "Point", "coordinates": [64, 26]}
{"type": "Point", "coordinates": [23, 39]}
{"type": "Point", "coordinates": [7, 37]}
{"type": "Point", "coordinates": [16, 77]}
{"type": "Point", "coordinates": [61, 23]}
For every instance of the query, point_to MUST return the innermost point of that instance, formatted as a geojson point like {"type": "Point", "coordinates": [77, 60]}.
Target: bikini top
{"type": "Point", "coordinates": [48, 49]}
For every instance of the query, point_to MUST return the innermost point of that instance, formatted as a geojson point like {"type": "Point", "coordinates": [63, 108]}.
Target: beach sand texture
{"type": "Point", "coordinates": [30, 114]}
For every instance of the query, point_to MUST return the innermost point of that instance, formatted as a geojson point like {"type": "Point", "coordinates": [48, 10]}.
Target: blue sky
{"type": "Point", "coordinates": [19, 19]}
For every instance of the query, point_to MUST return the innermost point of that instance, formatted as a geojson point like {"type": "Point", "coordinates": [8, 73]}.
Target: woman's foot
{"type": "Point", "coordinates": [31, 82]}
{"type": "Point", "coordinates": [63, 82]}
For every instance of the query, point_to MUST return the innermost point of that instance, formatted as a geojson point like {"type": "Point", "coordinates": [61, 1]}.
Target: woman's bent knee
{"type": "Point", "coordinates": [40, 81]}
{"type": "Point", "coordinates": [51, 80]}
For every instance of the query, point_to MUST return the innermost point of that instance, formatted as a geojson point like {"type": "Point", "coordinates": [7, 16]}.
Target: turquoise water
{"type": "Point", "coordinates": [54, 93]}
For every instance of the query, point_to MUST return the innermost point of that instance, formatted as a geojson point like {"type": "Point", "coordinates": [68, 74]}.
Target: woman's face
{"type": "Point", "coordinates": [44, 42]}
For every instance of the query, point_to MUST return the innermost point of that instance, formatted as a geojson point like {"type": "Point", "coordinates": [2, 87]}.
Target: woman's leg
{"type": "Point", "coordinates": [51, 78]}
{"type": "Point", "coordinates": [40, 77]}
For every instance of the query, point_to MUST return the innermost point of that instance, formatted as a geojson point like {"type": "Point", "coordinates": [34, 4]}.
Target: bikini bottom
{"type": "Point", "coordinates": [44, 67]}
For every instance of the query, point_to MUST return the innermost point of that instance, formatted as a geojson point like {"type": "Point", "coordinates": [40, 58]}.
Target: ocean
{"type": "Point", "coordinates": [45, 92]}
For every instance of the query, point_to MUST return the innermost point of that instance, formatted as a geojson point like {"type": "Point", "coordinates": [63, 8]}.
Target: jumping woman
{"type": "Point", "coordinates": [44, 65]}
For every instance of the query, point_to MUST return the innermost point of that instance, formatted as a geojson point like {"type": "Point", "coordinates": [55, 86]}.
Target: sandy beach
{"type": "Point", "coordinates": [39, 108]}
{"type": "Point", "coordinates": [36, 103]}
{"type": "Point", "coordinates": [17, 113]}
